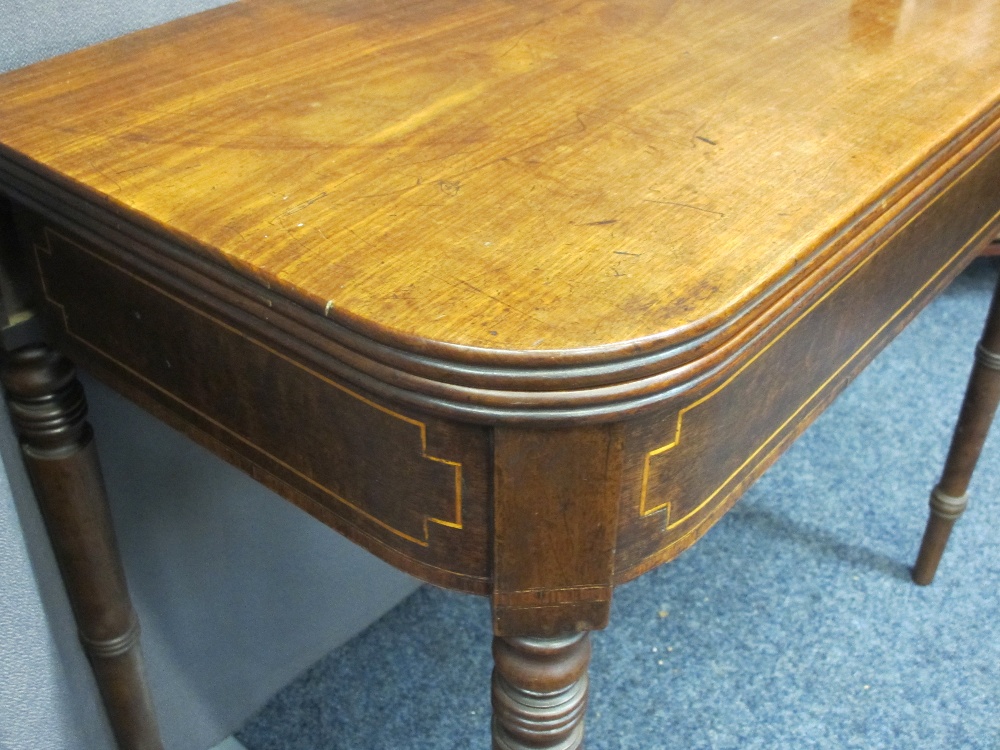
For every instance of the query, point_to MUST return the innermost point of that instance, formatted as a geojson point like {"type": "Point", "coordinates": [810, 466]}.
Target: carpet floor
{"type": "Point", "coordinates": [792, 624]}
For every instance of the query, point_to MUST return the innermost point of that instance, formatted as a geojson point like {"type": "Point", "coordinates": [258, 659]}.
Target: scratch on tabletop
{"type": "Point", "coordinates": [519, 37]}
{"type": "Point", "coordinates": [306, 204]}
{"type": "Point", "coordinates": [829, 169]}
{"type": "Point", "coordinates": [535, 25]}
{"type": "Point", "coordinates": [297, 240]}
{"type": "Point", "coordinates": [709, 141]}
{"type": "Point", "coordinates": [106, 176]}
{"type": "Point", "coordinates": [604, 223]}
{"type": "Point", "coordinates": [387, 194]}
{"type": "Point", "coordinates": [684, 205]}
{"type": "Point", "coordinates": [234, 230]}
{"type": "Point", "coordinates": [474, 288]}
{"type": "Point", "coordinates": [129, 170]}
{"type": "Point", "coordinates": [366, 242]}
{"type": "Point", "coordinates": [623, 252]}
{"type": "Point", "coordinates": [531, 145]}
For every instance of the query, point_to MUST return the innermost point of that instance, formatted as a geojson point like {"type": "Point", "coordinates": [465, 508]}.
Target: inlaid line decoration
{"type": "Point", "coordinates": [456, 523]}
{"type": "Point", "coordinates": [671, 523]}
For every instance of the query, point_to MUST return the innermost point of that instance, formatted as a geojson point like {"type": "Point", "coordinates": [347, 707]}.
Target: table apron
{"type": "Point", "coordinates": [411, 488]}
{"type": "Point", "coordinates": [687, 465]}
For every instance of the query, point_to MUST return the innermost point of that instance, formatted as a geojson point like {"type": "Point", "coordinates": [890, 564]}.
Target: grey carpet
{"type": "Point", "coordinates": [792, 624]}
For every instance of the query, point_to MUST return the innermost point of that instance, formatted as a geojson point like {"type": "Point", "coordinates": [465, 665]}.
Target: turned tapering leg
{"type": "Point", "coordinates": [49, 413]}
{"type": "Point", "coordinates": [948, 499]}
{"type": "Point", "coordinates": [540, 692]}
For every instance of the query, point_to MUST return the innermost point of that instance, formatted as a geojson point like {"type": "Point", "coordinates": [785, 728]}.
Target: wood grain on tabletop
{"type": "Point", "coordinates": [549, 175]}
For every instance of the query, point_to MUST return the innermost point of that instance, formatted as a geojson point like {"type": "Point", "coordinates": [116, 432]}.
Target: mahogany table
{"type": "Point", "coordinates": [519, 297]}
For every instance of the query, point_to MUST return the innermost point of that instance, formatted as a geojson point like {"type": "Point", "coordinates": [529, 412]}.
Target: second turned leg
{"type": "Point", "coordinates": [948, 499]}
{"type": "Point", "coordinates": [540, 692]}
{"type": "Point", "coordinates": [49, 412]}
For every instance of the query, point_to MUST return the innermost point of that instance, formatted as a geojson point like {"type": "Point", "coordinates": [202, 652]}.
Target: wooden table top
{"type": "Point", "coordinates": [518, 296]}
{"type": "Point", "coordinates": [543, 182]}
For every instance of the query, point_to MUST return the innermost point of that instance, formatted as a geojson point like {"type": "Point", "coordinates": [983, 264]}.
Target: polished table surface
{"type": "Point", "coordinates": [520, 297]}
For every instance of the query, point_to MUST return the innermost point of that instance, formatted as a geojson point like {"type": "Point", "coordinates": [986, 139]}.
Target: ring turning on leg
{"type": "Point", "coordinates": [540, 692]}
{"type": "Point", "coordinates": [49, 412]}
{"type": "Point", "coordinates": [948, 500]}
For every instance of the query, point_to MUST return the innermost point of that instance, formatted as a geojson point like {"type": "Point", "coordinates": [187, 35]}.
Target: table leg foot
{"type": "Point", "coordinates": [540, 692]}
{"type": "Point", "coordinates": [49, 411]}
{"type": "Point", "coordinates": [948, 500]}
{"type": "Point", "coordinates": [945, 510]}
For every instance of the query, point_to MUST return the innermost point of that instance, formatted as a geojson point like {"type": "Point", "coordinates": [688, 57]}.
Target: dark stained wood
{"type": "Point", "coordinates": [17, 293]}
{"type": "Point", "coordinates": [948, 498]}
{"type": "Point", "coordinates": [49, 413]}
{"type": "Point", "coordinates": [555, 499]}
{"type": "Point", "coordinates": [540, 690]}
{"type": "Point", "coordinates": [407, 486]}
{"type": "Point", "coordinates": [519, 297]}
